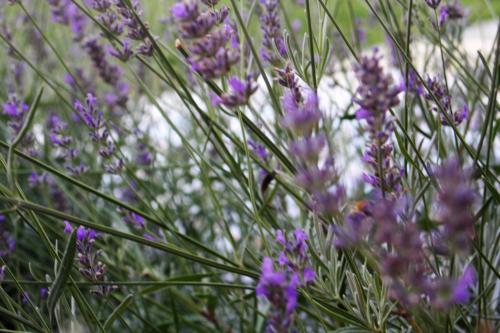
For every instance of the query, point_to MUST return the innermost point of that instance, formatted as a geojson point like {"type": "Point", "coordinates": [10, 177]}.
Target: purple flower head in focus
{"type": "Point", "coordinates": [99, 132]}
{"type": "Point", "coordinates": [376, 95]}
{"type": "Point", "coordinates": [293, 256]}
{"type": "Point", "coordinates": [88, 258]}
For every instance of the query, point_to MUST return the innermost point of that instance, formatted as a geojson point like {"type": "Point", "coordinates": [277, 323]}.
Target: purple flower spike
{"type": "Point", "coordinates": [281, 291]}
{"type": "Point", "coordinates": [376, 95]}
{"type": "Point", "coordinates": [88, 260]}
{"type": "Point", "coordinates": [273, 36]}
{"type": "Point", "coordinates": [439, 90]}
{"type": "Point", "coordinates": [456, 199]}
{"type": "Point", "coordinates": [208, 34]}
{"type": "Point", "coordinates": [99, 133]}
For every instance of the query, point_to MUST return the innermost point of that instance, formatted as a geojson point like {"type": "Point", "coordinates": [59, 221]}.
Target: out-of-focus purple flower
{"type": "Point", "coordinates": [356, 226]}
{"type": "Point", "coordinates": [376, 94]}
{"type": "Point", "coordinates": [7, 242]}
{"type": "Point", "coordinates": [110, 74]}
{"type": "Point", "coordinates": [143, 157]}
{"type": "Point", "coordinates": [273, 36]}
{"type": "Point", "coordinates": [14, 107]}
{"type": "Point", "coordinates": [16, 111]}
{"type": "Point", "coordinates": [439, 90]}
{"type": "Point", "coordinates": [124, 53]}
{"type": "Point", "coordinates": [414, 85]}
{"type": "Point", "coordinates": [456, 198]}
{"type": "Point", "coordinates": [59, 139]}
{"type": "Point", "coordinates": [301, 118]}
{"type": "Point", "coordinates": [35, 179]}
{"type": "Point", "coordinates": [309, 275]}
{"type": "Point", "coordinates": [149, 237]}
{"type": "Point", "coordinates": [316, 178]}
{"type": "Point", "coordinates": [68, 229]}
{"type": "Point", "coordinates": [100, 5]}
{"type": "Point", "coordinates": [185, 11]}
{"type": "Point", "coordinates": [25, 297]}
{"type": "Point", "coordinates": [259, 150]}
{"type": "Point", "coordinates": [296, 25]}
{"type": "Point", "coordinates": [453, 11]}
{"type": "Point", "coordinates": [359, 31]}
{"type": "Point", "coordinates": [281, 291]}
{"type": "Point", "coordinates": [99, 133]}
{"type": "Point", "coordinates": [433, 3]}
{"type": "Point", "coordinates": [239, 92]}
{"type": "Point", "coordinates": [301, 105]}
{"type": "Point", "coordinates": [308, 148]}
{"type": "Point", "coordinates": [134, 220]}
{"type": "Point", "coordinates": [44, 292]}
{"type": "Point", "coordinates": [79, 79]}
{"type": "Point", "coordinates": [280, 237]}
{"type": "Point", "coordinates": [461, 294]}
{"type": "Point", "coordinates": [136, 30]}
{"type": "Point", "coordinates": [330, 200]}
{"type": "Point", "coordinates": [65, 12]}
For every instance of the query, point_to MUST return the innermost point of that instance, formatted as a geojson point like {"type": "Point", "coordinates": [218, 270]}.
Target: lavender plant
{"type": "Point", "coordinates": [249, 166]}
